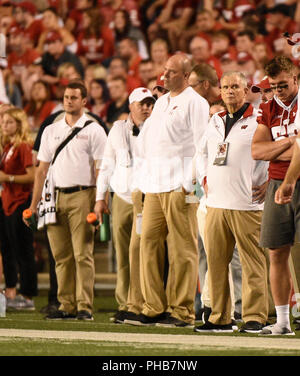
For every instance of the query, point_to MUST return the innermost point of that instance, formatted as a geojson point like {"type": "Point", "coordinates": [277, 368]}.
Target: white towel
{"type": "Point", "coordinates": [46, 207]}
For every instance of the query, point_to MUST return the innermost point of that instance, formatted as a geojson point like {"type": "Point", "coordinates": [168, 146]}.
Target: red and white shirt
{"type": "Point", "coordinates": [230, 185]}
{"type": "Point", "coordinates": [281, 123]}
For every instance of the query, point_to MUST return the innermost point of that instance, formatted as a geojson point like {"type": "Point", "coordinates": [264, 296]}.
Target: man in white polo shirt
{"type": "Point", "coordinates": [167, 145]}
{"type": "Point", "coordinates": [71, 237]}
{"type": "Point", "coordinates": [229, 174]}
{"type": "Point", "coordinates": [117, 172]}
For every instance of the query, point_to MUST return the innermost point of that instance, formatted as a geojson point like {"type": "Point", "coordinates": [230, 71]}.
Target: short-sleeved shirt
{"type": "Point", "coordinates": [281, 125]}
{"type": "Point", "coordinates": [14, 162]}
{"type": "Point", "coordinates": [75, 163]}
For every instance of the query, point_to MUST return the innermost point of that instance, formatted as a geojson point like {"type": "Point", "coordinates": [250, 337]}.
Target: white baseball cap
{"type": "Point", "coordinates": [137, 95]}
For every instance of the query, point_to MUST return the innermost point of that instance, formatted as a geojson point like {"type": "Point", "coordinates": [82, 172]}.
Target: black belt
{"type": "Point", "coordinates": [77, 188]}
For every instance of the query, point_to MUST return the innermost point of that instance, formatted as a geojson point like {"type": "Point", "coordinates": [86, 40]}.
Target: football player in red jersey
{"type": "Point", "coordinates": [274, 141]}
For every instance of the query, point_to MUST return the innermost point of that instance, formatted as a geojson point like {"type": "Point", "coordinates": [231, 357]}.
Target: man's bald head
{"type": "Point", "coordinates": [177, 71]}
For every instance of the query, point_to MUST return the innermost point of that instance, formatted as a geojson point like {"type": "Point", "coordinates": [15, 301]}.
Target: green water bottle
{"type": "Point", "coordinates": [104, 232]}
{"type": "Point", "coordinates": [105, 229]}
{"type": "Point", "coordinates": [30, 218]}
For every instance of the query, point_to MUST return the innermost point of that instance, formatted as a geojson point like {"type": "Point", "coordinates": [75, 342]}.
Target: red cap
{"type": "Point", "coordinates": [243, 57]}
{"type": "Point", "coordinates": [15, 30]}
{"type": "Point", "coordinates": [264, 84]}
{"type": "Point", "coordinates": [27, 6]}
{"type": "Point", "coordinates": [228, 56]}
{"type": "Point", "coordinates": [160, 81]}
{"type": "Point", "coordinates": [53, 36]}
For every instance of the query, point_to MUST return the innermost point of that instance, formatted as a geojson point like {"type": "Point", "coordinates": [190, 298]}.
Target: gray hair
{"type": "Point", "coordinates": [238, 74]}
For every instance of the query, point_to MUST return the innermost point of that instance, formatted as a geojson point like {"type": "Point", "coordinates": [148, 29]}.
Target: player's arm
{"type": "Point", "coordinates": [263, 146]}
{"type": "Point", "coordinates": [284, 193]}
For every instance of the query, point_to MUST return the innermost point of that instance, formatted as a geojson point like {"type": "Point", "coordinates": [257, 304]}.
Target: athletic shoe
{"type": "Point", "coordinates": [237, 316]}
{"type": "Point", "coordinates": [143, 320]}
{"type": "Point", "coordinates": [172, 322]}
{"type": "Point", "coordinates": [209, 327]}
{"type": "Point", "coordinates": [20, 303]}
{"type": "Point", "coordinates": [60, 315]}
{"type": "Point", "coordinates": [251, 327]}
{"type": "Point", "coordinates": [276, 330]}
{"type": "Point", "coordinates": [84, 315]}
{"type": "Point", "coordinates": [130, 317]}
{"type": "Point", "coordinates": [234, 325]}
{"type": "Point", "coordinates": [51, 307]}
{"type": "Point", "coordinates": [206, 313]}
{"type": "Point", "coordinates": [118, 317]}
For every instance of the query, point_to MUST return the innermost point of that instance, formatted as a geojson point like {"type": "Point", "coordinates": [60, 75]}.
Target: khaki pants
{"type": "Point", "coordinates": [205, 291]}
{"type": "Point", "coordinates": [223, 229]}
{"type": "Point", "coordinates": [72, 244]}
{"type": "Point", "coordinates": [169, 213]}
{"type": "Point", "coordinates": [135, 299]}
{"type": "Point", "coordinates": [122, 216]}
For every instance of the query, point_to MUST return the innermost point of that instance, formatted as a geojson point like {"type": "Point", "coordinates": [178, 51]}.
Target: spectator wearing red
{"type": "Point", "coordinates": [16, 177]}
{"type": "Point", "coordinates": [246, 65]}
{"type": "Point", "coordinates": [21, 56]}
{"type": "Point", "coordinates": [123, 28]}
{"type": "Point", "coordinates": [95, 41]}
{"type": "Point", "coordinates": [99, 98]}
{"type": "Point", "coordinates": [231, 12]}
{"type": "Point", "coordinates": [52, 22]}
{"type": "Point", "coordinates": [221, 44]}
{"type": "Point", "coordinates": [74, 19]}
{"type": "Point", "coordinates": [279, 21]}
{"type": "Point", "coordinates": [146, 72]}
{"type": "Point", "coordinates": [24, 15]}
{"type": "Point", "coordinates": [118, 108]}
{"type": "Point", "coordinates": [119, 67]}
{"type": "Point", "coordinates": [128, 50]}
{"type": "Point", "coordinates": [205, 24]}
{"type": "Point", "coordinates": [201, 53]}
{"type": "Point", "coordinates": [159, 53]}
{"type": "Point", "coordinates": [108, 9]}
{"type": "Point", "coordinates": [173, 19]}
{"type": "Point", "coordinates": [40, 106]}
{"type": "Point", "coordinates": [245, 41]}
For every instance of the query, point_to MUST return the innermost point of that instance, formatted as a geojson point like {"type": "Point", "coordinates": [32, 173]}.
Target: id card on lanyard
{"type": "Point", "coordinates": [221, 155]}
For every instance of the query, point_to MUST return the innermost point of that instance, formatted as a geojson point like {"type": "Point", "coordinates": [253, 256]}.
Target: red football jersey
{"type": "Point", "coordinates": [281, 124]}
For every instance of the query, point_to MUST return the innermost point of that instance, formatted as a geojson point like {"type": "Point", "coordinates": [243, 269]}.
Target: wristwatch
{"type": "Point", "coordinates": [11, 178]}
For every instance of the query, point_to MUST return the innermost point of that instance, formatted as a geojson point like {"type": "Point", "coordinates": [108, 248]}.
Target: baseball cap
{"type": "Point", "coordinates": [160, 81]}
{"type": "Point", "coordinates": [15, 30]}
{"type": "Point", "coordinates": [264, 84]}
{"type": "Point", "coordinates": [53, 36]}
{"type": "Point", "coordinates": [243, 57]}
{"type": "Point", "coordinates": [139, 94]}
{"type": "Point", "coordinates": [27, 6]}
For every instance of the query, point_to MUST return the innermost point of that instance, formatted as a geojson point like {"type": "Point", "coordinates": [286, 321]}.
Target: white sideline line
{"type": "Point", "coordinates": [187, 340]}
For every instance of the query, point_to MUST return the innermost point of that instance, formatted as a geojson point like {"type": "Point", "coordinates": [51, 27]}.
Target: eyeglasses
{"type": "Point", "coordinates": [196, 84]}
{"type": "Point", "coordinates": [279, 86]}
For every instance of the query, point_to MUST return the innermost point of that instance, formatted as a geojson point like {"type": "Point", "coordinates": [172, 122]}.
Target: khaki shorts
{"type": "Point", "coordinates": [279, 222]}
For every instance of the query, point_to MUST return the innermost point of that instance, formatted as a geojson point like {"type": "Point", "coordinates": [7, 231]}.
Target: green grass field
{"type": "Point", "coordinates": [20, 345]}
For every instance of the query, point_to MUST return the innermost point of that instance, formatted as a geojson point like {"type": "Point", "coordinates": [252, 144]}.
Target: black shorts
{"type": "Point", "coordinates": [279, 222]}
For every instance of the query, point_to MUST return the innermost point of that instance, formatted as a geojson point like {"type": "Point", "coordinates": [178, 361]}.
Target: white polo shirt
{"type": "Point", "coordinates": [230, 186]}
{"type": "Point", "coordinates": [168, 140]}
{"type": "Point", "coordinates": [75, 163]}
{"type": "Point", "coordinates": [117, 165]}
